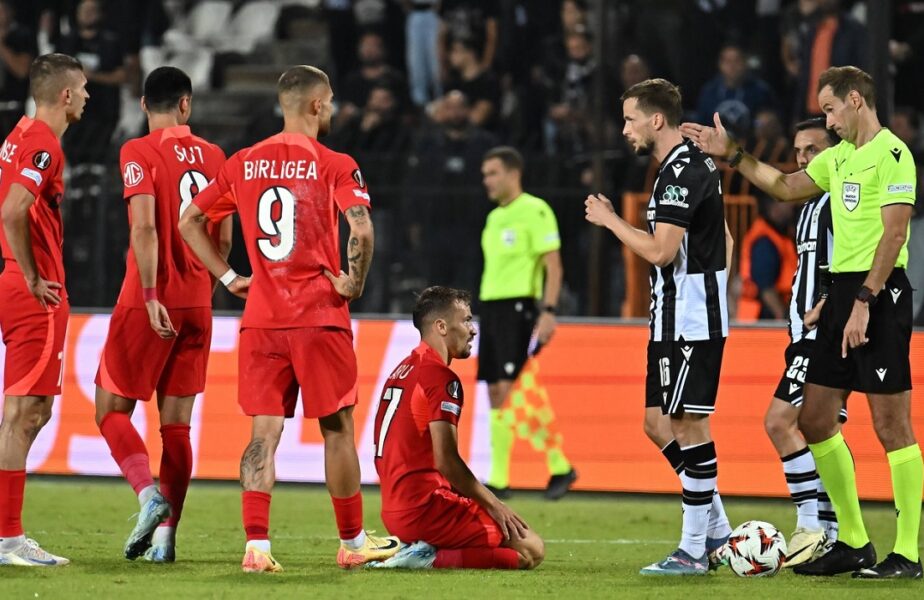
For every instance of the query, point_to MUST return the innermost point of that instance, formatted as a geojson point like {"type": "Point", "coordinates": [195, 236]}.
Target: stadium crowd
{"type": "Point", "coordinates": [423, 88]}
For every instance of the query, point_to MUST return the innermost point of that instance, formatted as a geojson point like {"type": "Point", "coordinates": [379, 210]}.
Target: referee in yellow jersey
{"type": "Point", "coordinates": [864, 331]}
{"type": "Point", "coordinates": [519, 295]}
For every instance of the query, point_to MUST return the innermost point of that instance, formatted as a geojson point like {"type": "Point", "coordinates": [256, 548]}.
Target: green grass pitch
{"type": "Point", "coordinates": [595, 545]}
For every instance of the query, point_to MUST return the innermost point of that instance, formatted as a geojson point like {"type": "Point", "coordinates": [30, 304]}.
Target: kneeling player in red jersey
{"type": "Point", "coordinates": [429, 496]}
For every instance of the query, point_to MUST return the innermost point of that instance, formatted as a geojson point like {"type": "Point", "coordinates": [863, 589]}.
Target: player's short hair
{"type": "Point", "coordinates": [844, 79]}
{"type": "Point", "coordinates": [508, 155]}
{"type": "Point", "coordinates": [164, 87]}
{"type": "Point", "coordinates": [657, 96]}
{"type": "Point", "coordinates": [818, 123]}
{"type": "Point", "coordinates": [49, 74]}
{"type": "Point", "coordinates": [300, 79]}
{"type": "Point", "coordinates": [435, 301]}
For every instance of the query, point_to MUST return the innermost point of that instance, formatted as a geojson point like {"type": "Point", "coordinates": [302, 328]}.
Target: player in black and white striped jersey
{"type": "Point", "coordinates": [687, 244]}
{"type": "Point", "coordinates": [815, 521]}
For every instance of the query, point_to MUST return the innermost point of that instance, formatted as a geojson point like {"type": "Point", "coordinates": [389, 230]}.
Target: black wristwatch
{"type": "Point", "coordinates": [866, 296]}
{"type": "Point", "coordinates": [549, 308]}
{"type": "Point", "coordinates": [736, 159]}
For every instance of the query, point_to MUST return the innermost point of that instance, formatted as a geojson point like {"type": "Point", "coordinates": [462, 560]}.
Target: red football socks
{"type": "Point", "coordinates": [12, 490]}
{"type": "Point", "coordinates": [127, 449]}
{"type": "Point", "coordinates": [255, 509]}
{"type": "Point", "coordinates": [477, 558]}
{"type": "Point", "coordinates": [175, 468]}
{"type": "Point", "coordinates": [349, 515]}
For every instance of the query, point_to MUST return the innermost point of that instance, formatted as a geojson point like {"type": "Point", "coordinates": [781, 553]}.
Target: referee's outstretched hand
{"type": "Point", "coordinates": [711, 140]}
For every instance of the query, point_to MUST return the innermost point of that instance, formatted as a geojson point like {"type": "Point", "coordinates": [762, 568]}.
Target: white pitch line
{"type": "Point", "coordinates": [617, 542]}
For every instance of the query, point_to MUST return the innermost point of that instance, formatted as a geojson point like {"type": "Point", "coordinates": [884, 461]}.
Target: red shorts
{"type": "Point", "coordinates": [136, 362]}
{"type": "Point", "coordinates": [447, 520]}
{"type": "Point", "coordinates": [34, 339]}
{"type": "Point", "coordinates": [275, 363]}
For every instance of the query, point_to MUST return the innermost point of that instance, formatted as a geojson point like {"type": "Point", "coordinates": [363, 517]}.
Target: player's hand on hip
{"type": "Point", "coordinates": [711, 140]}
{"type": "Point", "coordinates": [855, 329]}
{"type": "Point", "coordinates": [343, 284]}
{"type": "Point", "coordinates": [160, 319]}
{"type": "Point", "coordinates": [598, 209]}
{"type": "Point", "coordinates": [240, 287]}
{"type": "Point", "coordinates": [545, 327]}
{"type": "Point", "coordinates": [511, 524]}
{"type": "Point", "coordinates": [44, 291]}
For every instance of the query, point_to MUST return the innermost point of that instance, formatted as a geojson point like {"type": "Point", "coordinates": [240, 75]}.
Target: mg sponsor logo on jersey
{"type": "Point", "coordinates": [132, 175]}
{"type": "Point", "coordinates": [675, 195]}
{"type": "Point", "coordinates": [851, 195]}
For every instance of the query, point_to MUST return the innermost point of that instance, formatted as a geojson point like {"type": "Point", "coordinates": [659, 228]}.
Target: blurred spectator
{"type": "Point", "coordinates": [100, 51]}
{"type": "Point", "coordinates": [572, 16]}
{"type": "Point", "coordinates": [833, 38]}
{"type": "Point", "coordinates": [341, 25]}
{"type": "Point", "coordinates": [734, 92]}
{"type": "Point", "coordinates": [446, 205]}
{"type": "Point", "coordinates": [906, 124]}
{"type": "Point", "coordinates": [524, 28]}
{"type": "Point", "coordinates": [479, 85]}
{"type": "Point", "coordinates": [473, 20]}
{"type": "Point", "coordinates": [423, 68]}
{"type": "Point", "coordinates": [907, 50]}
{"type": "Point", "coordinates": [569, 119]}
{"type": "Point", "coordinates": [768, 260]}
{"type": "Point", "coordinates": [634, 69]}
{"type": "Point", "coordinates": [373, 71]}
{"type": "Point", "coordinates": [375, 128]}
{"type": "Point", "coordinates": [17, 50]}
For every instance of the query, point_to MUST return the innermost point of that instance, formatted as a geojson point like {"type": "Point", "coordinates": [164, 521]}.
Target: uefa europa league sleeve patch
{"type": "Point", "coordinates": [41, 160]}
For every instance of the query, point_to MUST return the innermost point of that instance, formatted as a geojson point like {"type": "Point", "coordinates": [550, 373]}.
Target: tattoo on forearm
{"type": "Point", "coordinates": [253, 464]}
{"type": "Point", "coordinates": [359, 256]}
{"type": "Point", "coordinates": [358, 214]}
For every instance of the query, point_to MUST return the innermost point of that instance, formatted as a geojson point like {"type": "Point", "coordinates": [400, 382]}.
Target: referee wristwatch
{"type": "Point", "coordinates": [866, 296]}
{"type": "Point", "coordinates": [549, 308]}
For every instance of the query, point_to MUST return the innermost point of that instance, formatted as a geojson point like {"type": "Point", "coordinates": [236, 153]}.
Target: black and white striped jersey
{"type": "Point", "coordinates": [688, 296]}
{"type": "Point", "coordinates": [814, 244]}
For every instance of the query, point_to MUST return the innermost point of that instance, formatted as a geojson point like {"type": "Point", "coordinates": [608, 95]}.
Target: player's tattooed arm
{"type": "Point", "coordinates": [359, 254]}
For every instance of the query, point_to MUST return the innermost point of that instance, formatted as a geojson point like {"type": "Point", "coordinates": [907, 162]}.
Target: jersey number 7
{"type": "Point", "coordinates": [392, 395]}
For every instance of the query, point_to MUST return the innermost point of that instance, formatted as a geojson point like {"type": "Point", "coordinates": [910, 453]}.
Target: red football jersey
{"type": "Point", "coordinates": [287, 190]}
{"type": "Point", "coordinates": [172, 165]}
{"type": "Point", "coordinates": [420, 390]}
{"type": "Point", "coordinates": [31, 156]}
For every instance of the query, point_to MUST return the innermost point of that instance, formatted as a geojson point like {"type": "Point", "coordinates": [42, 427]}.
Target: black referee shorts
{"type": "Point", "coordinates": [683, 377]}
{"type": "Point", "coordinates": [883, 365]}
{"type": "Point", "coordinates": [503, 337]}
{"type": "Point", "coordinates": [791, 387]}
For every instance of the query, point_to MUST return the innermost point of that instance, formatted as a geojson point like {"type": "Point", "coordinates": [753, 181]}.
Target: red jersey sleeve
{"type": "Point", "coordinates": [39, 160]}
{"type": "Point", "coordinates": [444, 394]}
{"type": "Point", "coordinates": [350, 187]}
{"type": "Point", "coordinates": [217, 200]}
{"type": "Point", "coordinates": [137, 178]}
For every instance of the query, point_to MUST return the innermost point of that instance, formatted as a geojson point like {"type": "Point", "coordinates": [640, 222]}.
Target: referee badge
{"type": "Point", "coordinates": [850, 194]}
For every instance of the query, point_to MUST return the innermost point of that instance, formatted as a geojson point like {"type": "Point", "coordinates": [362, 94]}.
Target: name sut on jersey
{"type": "Point", "coordinates": [280, 169]}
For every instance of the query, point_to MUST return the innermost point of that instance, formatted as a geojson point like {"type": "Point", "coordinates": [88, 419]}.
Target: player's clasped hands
{"type": "Point", "coordinates": [511, 524]}
{"type": "Point", "coordinates": [597, 209]}
{"type": "Point", "coordinates": [711, 140]}
{"type": "Point", "coordinates": [44, 292]}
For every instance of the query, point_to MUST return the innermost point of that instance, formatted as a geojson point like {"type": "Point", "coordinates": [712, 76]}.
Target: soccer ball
{"type": "Point", "coordinates": [755, 549]}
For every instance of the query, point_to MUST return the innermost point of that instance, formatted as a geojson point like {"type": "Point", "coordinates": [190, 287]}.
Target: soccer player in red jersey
{"type": "Point", "coordinates": [33, 301]}
{"type": "Point", "coordinates": [295, 332]}
{"type": "Point", "coordinates": [429, 495]}
{"type": "Point", "coordinates": [161, 328]}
